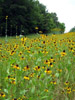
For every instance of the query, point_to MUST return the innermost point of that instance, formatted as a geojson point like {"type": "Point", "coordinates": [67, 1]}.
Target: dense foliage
{"type": "Point", "coordinates": [22, 16]}
{"type": "Point", "coordinates": [73, 29]}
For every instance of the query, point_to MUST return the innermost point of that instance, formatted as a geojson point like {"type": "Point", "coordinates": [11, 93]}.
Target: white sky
{"type": "Point", "coordinates": [65, 10]}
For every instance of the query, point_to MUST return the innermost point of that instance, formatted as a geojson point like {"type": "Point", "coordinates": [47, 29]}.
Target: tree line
{"type": "Point", "coordinates": [72, 29]}
{"type": "Point", "coordinates": [26, 17]}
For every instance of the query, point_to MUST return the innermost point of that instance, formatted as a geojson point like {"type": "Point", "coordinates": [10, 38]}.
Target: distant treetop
{"type": "Point", "coordinates": [72, 29]}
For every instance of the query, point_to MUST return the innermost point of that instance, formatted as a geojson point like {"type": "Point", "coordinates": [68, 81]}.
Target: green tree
{"type": "Point", "coordinates": [72, 29]}
{"type": "Point", "coordinates": [26, 15]}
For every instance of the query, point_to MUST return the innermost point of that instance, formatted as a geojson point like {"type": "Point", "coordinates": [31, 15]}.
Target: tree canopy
{"type": "Point", "coordinates": [25, 15]}
{"type": "Point", "coordinates": [72, 29]}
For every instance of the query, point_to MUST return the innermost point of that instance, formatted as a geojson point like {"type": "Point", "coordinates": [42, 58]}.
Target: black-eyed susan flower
{"type": "Point", "coordinates": [2, 94]}
{"type": "Point", "coordinates": [36, 28]}
{"type": "Point", "coordinates": [12, 64]}
{"type": "Point", "coordinates": [43, 42]}
{"type": "Point", "coordinates": [9, 76]}
{"type": "Point", "coordinates": [51, 59]}
{"type": "Point", "coordinates": [43, 67]}
{"type": "Point", "coordinates": [26, 68]}
{"type": "Point", "coordinates": [20, 53]}
{"type": "Point", "coordinates": [68, 90]}
{"type": "Point", "coordinates": [22, 58]}
{"type": "Point", "coordinates": [52, 75]}
{"type": "Point", "coordinates": [65, 88]}
{"type": "Point", "coordinates": [66, 83]}
{"type": "Point", "coordinates": [24, 96]}
{"type": "Point", "coordinates": [38, 76]}
{"type": "Point", "coordinates": [62, 91]}
{"type": "Point", "coordinates": [71, 49]}
{"type": "Point", "coordinates": [32, 74]}
{"type": "Point", "coordinates": [46, 62]}
{"type": "Point", "coordinates": [59, 70]}
{"type": "Point", "coordinates": [23, 39]}
{"type": "Point", "coordinates": [48, 71]}
{"type": "Point", "coordinates": [12, 52]}
{"type": "Point", "coordinates": [46, 90]}
{"type": "Point", "coordinates": [16, 46]}
{"type": "Point", "coordinates": [63, 53]}
{"type": "Point", "coordinates": [40, 32]}
{"type": "Point", "coordinates": [26, 78]}
{"type": "Point", "coordinates": [28, 51]}
{"type": "Point", "coordinates": [12, 78]}
{"type": "Point", "coordinates": [74, 53]}
{"type": "Point", "coordinates": [53, 82]}
{"type": "Point", "coordinates": [51, 65]}
{"type": "Point", "coordinates": [16, 66]}
{"type": "Point", "coordinates": [37, 68]}
{"type": "Point", "coordinates": [13, 82]}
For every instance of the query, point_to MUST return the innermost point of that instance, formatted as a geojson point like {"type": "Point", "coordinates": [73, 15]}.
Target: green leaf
{"type": "Point", "coordinates": [5, 90]}
{"type": "Point", "coordinates": [69, 62]}
{"type": "Point", "coordinates": [33, 89]}
{"type": "Point", "coordinates": [8, 70]}
{"type": "Point", "coordinates": [12, 61]}
{"type": "Point", "coordinates": [57, 74]}
{"type": "Point", "coordinates": [58, 81]}
{"type": "Point", "coordinates": [42, 75]}
{"type": "Point", "coordinates": [44, 97]}
{"type": "Point", "coordinates": [23, 91]}
{"type": "Point", "coordinates": [66, 98]}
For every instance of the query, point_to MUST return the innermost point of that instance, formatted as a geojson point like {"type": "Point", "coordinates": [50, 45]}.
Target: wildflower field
{"type": "Point", "coordinates": [40, 67]}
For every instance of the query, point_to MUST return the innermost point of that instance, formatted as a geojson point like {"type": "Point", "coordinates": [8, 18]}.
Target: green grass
{"type": "Point", "coordinates": [37, 67]}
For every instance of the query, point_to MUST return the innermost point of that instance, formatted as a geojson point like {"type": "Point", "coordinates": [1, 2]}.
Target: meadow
{"type": "Point", "coordinates": [38, 67]}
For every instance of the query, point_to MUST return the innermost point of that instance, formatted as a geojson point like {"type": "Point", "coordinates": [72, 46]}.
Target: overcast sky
{"type": "Point", "coordinates": [65, 10]}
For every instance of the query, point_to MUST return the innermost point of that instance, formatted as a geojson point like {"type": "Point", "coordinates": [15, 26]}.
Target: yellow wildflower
{"type": "Point", "coordinates": [2, 94]}
{"type": "Point", "coordinates": [48, 71]}
{"type": "Point", "coordinates": [26, 78]}
{"type": "Point", "coordinates": [63, 53]}
{"type": "Point", "coordinates": [46, 90]}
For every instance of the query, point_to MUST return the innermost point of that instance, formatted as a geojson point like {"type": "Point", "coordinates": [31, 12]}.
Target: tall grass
{"type": "Point", "coordinates": [37, 67]}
